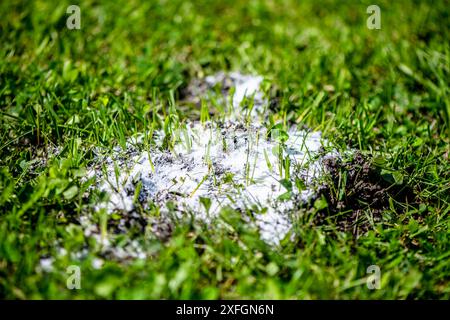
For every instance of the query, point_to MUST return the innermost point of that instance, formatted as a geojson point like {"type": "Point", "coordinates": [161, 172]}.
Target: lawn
{"type": "Point", "coordinates": [73, 99]}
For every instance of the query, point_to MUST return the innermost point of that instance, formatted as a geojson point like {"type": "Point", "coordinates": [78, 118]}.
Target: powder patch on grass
{"type": "Point", "coordinates": [263, 173]}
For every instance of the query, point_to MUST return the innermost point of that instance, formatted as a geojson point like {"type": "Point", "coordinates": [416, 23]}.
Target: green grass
{"type": "Point", "coordinates": [383, 92]}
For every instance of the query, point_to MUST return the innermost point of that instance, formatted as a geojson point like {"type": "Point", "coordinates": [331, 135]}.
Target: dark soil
{"type": "Point", "coordinates": [358, 191]}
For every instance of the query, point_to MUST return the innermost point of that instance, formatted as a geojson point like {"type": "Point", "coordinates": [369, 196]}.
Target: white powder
{"type": "Point", "coordinates": [46, 264]}
{"type": "Point", "coordinates": [232, 163]}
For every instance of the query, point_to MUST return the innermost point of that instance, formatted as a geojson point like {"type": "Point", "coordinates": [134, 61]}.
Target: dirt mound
{"type": "Point", "coordinates": [357, 194]}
